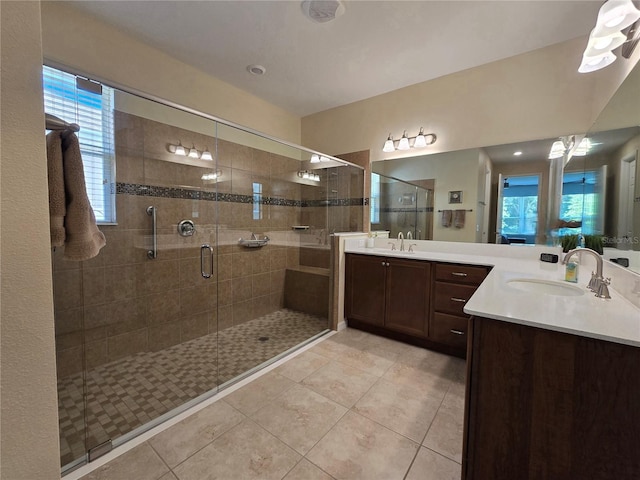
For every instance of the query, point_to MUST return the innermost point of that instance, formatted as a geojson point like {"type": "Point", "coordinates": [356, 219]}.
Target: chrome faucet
{"type": "Point", "coordinates": [409, 235]}
{"type": "Point", "coordinates": [401, 238]}
{"type": "Point", "coordinates": [598, 283]}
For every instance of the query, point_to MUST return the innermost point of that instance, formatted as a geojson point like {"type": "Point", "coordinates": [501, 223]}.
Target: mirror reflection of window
{"type": "Point", "coordinates": [520, 208]}
{"type": "Point", "coordinates": [583, 198]}
{"type": "Point", "coordinates": [375, 198]}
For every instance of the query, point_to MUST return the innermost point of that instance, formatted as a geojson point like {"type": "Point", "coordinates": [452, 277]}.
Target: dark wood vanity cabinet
{"type": "Point", "coordinates": [390, 293]}
{"type": "Point", "coordinates": [453, 286]}
{"type": "Point", "coordinates": [548, 405]}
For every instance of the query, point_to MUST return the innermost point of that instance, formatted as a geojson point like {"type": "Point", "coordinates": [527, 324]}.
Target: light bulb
{"type": "Point", "coordinates": [591, 64]}
{"type": "Point", "coordinates": [616, 15]}
{"type": "Point", "coordinates": [420, 141]}
{"type": "Point", "coordinates": [193, 153]}
{"type": "Point", "coordinates": [388, 145]}
{"type": "Point", "coordinates": [180, 151]}
{"type": "Point", "coordinates": [305, 175]}
{"type": "Point", "coordinates": [404, 142]}
{"type": "Point", "coordinates": [599, 42]}
{"type": "Point", "coordinates": [206, 155]}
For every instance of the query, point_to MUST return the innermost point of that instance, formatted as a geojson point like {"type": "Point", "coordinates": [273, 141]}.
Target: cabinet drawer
{"type": "Point", "coordinates": [460, 273]}
{"type": "Point", "coordinates": [449, 330]}
{"type": "Point", "coordinates": [451, 298]}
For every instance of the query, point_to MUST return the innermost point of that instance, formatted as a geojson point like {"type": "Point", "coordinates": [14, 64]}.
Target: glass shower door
{"type": "Point", "coordinates": [141, 316]}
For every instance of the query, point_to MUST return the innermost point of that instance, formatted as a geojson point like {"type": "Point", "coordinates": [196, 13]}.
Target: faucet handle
{"type": "Point", "coordinates": [594, 282]}
{"type": "Point", "coordinates": [603, 289]}
{"type": "Point", "coordinates": [393, 245]}
{"type": "Point", "coordinates": [411, 247]}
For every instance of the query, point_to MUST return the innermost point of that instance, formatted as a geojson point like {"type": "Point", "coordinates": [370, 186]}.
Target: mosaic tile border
{"type": "Point", "coordinates": [407, 210]}
{"type": "Point", "coordinates": [193, 194]}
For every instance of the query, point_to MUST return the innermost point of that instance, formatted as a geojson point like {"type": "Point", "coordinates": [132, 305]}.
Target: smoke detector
{"type": "Point", "coordinates": [322, 11]}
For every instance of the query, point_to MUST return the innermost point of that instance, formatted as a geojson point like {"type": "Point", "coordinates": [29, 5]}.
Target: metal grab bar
{"type": "Point", "coordinates": [209, 248]}
{"type": "Point", "coordinates": [153, 253]}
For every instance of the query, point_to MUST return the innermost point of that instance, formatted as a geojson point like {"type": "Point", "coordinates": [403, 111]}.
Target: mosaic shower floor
{"type": "Point", "coordinates": [126, 394]}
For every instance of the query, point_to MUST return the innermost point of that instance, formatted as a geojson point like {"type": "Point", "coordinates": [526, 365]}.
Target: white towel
{"type": "Point", "coordinates": [79, 232]}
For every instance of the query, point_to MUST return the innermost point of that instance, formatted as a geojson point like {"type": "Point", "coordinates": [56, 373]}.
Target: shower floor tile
{"type": "Point", "coordinates": [130, 392]}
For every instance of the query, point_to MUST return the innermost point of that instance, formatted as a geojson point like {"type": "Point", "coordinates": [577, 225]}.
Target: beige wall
{"type": "Point", "coordinates": [531, 96]}
{"type": "Point", "coordinates": [86, 45]}
{"type": "Point", "coordinates": [451, 171]}
{"type": "Point", "coordinates": [29, 431]}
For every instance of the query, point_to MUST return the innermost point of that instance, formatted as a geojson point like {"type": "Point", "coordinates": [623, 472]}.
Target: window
{"type": "Point", "coordinates": [520, 207]}
{"type": "Point", "coordinates": [375, 198]}
{"type": "Point", "coordinates": [581, 201]}
{"type": "Point", "coordinates": [257, 201]}
{"type": "Point", "coordinates": [94, 113]}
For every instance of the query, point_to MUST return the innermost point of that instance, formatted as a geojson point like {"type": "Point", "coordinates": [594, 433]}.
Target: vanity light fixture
{"type": "Point", "coordinates": [613, 17]}
{"type": "Point", "coordinates": [324, 159]}
{"type": "Point", "coordinates": [179, 150]}
{"type": "Point", "coordinates": [419, 141]}
{"type": "Point", "coordinates": [211, 176]}
{"type": "Point", "coordinates": [388, 145]}
{"type": "Point", "coordinates": [206, 155]}
{"type": "Point", "coordinates": [306, 175]}
{"type": "Point", "coordinates": [193, 153]}
{"type": "Point", "coordinates": [403, 144]}
{"type": "Point", "coordinates": [315, 158]}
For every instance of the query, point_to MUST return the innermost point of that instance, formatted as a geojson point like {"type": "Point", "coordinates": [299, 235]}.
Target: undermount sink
{"type": "Point", "coordinates": [545, 287]}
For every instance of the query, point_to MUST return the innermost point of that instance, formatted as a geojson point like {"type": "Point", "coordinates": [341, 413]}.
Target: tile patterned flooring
{"type": "Point", "coordinates": [126, 394]}
{"type": "Point", "coordinates": [354, 406]}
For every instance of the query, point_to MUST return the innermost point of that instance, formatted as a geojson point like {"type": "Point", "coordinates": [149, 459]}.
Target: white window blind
{"type": "Point", "coordinates": [94, 113]}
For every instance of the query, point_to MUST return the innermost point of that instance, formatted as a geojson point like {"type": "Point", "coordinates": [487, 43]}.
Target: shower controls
{"type": "Point", "coordinates": [186, 228]}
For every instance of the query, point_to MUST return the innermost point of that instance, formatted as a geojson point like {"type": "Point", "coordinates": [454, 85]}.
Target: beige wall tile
{"type": "Point", "coordinates": [196, 300]}
{"type": "Point", "coordinates": [194, 326]}
{"type": "Point", "coordinates": [162, 307]}
{"type": "Point", "coordinates": [127, 344]}
{"type": "Point", "coordinates": [163, 336]}
{"type": "Point", "coordinates": [67, 289]}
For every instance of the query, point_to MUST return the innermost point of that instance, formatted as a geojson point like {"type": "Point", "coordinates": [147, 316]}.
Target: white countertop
{"type": "Point", "coordinates": [616, 320]}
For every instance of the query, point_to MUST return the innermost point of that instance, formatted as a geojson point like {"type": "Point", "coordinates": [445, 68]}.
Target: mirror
{"type": "Point", "coordinates": [600, 192]}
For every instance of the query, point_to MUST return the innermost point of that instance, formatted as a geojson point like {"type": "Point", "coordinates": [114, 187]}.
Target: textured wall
{"type": "Point", "coordinates": [29, 430]}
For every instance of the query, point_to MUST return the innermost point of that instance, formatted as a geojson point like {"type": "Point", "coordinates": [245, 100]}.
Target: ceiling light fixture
{"type": "Point", "coordinates": [613, 17]}
{"type": "Point", "coordinates": [256, 70]}
{"type": "Point", "coordinates": [322, 11]}
{"type": "Point", "coordinates": [517, 154]}
{"type": "Point", "coordinates": [419, 141]}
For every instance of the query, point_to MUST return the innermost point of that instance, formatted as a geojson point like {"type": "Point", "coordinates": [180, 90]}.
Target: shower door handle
{"type": "Point", "coordinates": [203, 264]}
{"type": "Point", "coordinates": [153, 253]}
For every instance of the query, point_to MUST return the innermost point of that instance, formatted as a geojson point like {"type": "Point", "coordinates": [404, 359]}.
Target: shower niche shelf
{"type": "Point", "coordinates": [256, 241]}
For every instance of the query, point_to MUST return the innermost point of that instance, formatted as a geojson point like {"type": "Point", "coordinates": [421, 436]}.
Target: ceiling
{"type": "Point", "coordinates": [375, 47]}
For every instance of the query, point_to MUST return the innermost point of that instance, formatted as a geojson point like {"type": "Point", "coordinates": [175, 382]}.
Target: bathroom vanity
{"type": "Point", "coordinates": [416, 301]}
{"type": "Point", "coordinates": [545, 404]}
{"type": "Point", "coordinates": [553, 373]}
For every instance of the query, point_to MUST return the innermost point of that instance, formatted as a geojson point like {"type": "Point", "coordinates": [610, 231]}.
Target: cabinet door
{"type": "Point", "coordinates": [364, 288]}
{"type": "Point", "coordinates": [407, 298]}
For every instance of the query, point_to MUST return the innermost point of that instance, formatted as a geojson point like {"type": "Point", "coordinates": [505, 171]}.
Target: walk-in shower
{"type": "Point", "coordinates": [178, 304]}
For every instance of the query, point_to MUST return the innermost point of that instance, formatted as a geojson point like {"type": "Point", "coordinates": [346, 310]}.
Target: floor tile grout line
{"type": "Point", "coordinates": [209, 443]}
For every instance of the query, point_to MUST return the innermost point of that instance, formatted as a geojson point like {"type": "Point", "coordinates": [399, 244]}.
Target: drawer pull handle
{"type": "Point", "coordinates": [460, 300]}
{"type": "Point", "coordinates": [459, 274]}
{"type": "Point", "coordinates": [457, 332]}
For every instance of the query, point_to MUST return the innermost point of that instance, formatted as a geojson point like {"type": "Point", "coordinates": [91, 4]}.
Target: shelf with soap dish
{"type": "Point", "coordinates": [255, 241]}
